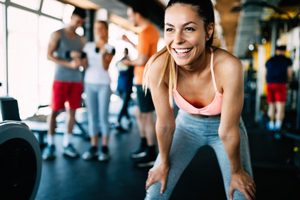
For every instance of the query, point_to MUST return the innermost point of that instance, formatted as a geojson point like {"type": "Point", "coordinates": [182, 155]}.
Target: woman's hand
{"type": "Point", "coordinates": [158, 173]}
{"type": "Point", "coordinates": [244, 183]}
{"type": "Point", "coordinates": [126, 62]}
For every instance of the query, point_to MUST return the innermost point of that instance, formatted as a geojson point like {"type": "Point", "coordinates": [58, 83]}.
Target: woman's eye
{"type": "Point", "coordinates": [168, 29]}
{"type": "Point", "coordinates": [190, 29]}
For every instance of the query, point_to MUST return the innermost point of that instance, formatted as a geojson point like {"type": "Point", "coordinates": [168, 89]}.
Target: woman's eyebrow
{"type": "Point", "coordinates": [187, 23]}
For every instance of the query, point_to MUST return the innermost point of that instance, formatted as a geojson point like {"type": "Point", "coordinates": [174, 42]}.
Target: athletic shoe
{"type": "Point", "coordinates": [271, 126]}
{"type": "Point", "coordinates": [139, 153]}
{"type": "Point", "coordinates": [49, 152]}
{"type": "Point", "coordinates": [90, 154]}
{"type": "Point", "coordinates": [146, 161]}
{"type": "Point", "coordinates": [70, 151]}
{"type": "Point", "coordinates": [121, 129]}
{"type": "Point", "coordinates": [104, 157]}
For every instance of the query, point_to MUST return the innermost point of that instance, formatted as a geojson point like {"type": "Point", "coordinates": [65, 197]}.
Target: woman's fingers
{"type": "Point", "coordinates": [150, 180]}
{"type": "Point", "coordinates": [251, 190]}
{"type": "Point", "coordinates": [248, 191]}
{"type": "Point", "coordinates": [163, 186]}
{"type": "Point", "coordinates": [231, 193]}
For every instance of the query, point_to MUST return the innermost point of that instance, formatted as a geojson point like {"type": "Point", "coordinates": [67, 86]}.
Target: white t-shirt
{"type": "Point", "coordinates": [95, 73]}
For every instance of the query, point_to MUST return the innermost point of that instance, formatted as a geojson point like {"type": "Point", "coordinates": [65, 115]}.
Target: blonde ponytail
{"type": "Point", "coordinates": [168, 68]}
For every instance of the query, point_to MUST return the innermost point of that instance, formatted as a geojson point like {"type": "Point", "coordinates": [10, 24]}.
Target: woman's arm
{"type": "Point", "coordinates": [106, 60]}
{"type": "Point", "coordinates": [229, 132]}
{"type": "Point", "coordinates": [165, 123]}
{"type": "Point", "coordinates": [232, 104]}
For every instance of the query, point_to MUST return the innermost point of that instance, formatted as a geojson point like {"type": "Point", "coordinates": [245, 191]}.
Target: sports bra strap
{"type": "Point", "coordinates": [212, 69]}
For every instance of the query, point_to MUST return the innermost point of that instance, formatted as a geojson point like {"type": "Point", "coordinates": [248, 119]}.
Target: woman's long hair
{"type": "Point", "coordinates": [168, 70]}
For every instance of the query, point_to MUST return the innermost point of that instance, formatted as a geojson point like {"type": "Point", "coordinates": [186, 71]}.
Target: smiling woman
{"type": "Point", "coordinates": [206, 83]}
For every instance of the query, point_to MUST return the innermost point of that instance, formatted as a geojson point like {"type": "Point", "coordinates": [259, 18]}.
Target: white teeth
{"type": "Point", "coordinates": [182, 50]}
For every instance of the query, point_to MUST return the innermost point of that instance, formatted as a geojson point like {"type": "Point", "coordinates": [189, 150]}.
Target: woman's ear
{"type": "Point", "coordinates": [210, 31]}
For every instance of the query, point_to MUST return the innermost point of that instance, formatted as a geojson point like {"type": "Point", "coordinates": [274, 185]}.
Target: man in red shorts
{"type": "Point", "coordinates": [279, 72]}
{"type": "Point", "coordinates": [64, 50]}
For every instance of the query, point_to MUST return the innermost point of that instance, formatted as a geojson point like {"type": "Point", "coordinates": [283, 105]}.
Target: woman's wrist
{"type": "Point", "coordinates": [165, 163]}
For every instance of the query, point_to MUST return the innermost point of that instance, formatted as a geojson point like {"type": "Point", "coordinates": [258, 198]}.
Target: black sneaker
{"type": "Point", "coordinates": [121, 129]}
{"type": "Point", "coordinates": [139, 153]}
{"type": "Point", "coordinates": [90, 154]}
{"type": "Point", "coordinates": [147, 161]}
{"type": "Point", "coordinates": [49, 152]}
{"type": "Point", "coordinates": [70, 151]}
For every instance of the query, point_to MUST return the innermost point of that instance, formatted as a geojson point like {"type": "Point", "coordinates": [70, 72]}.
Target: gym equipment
{"type": "Point", "coordinates": [295, 150]}
{"type": "Point", "coordinates": [75, 55]}
{"type": "Point", "coordinates": [9, 110]}
{"type": "Point", "coordinates": [20, 158]}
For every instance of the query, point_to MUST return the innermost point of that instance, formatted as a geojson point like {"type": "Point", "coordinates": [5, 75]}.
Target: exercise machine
{"type": "Point", "coordinates": [20, 158]}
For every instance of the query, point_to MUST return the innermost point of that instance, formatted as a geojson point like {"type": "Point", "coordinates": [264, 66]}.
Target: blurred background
{"type": "Point", "coordinates": [249, 29]}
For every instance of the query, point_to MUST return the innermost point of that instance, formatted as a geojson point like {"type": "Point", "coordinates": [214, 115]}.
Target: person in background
{"type": "Point", "coordinates": [278, 72]}
{"type": "Point", "coordinates": [124, 88]}
{"type": "Point", "coordinates": [98, 91]}
{"type": "Point", "coordinates": [148, 37]}
{"type": "Point", "coordinates": [206, 83]}
{"type": "Point", "coordinates": [65, 50]}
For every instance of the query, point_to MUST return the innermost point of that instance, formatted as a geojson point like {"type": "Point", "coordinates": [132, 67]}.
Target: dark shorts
{"type": "Point", "coordinates": [144, 101]}
{"type": "Point", "coordinates": [276, 92]}
{"type": "Point", "coordinates": [66, 92]}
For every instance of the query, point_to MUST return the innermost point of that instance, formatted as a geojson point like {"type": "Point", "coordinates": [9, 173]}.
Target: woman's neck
{"type": "Point", "coordinates": [100, 43]}
{"type": "Point", "coordinates": [197, 67]}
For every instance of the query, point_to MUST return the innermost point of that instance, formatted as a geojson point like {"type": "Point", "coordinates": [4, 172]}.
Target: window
{"type": "Point", "coordinates": [53, 8]}
{"type": "Point", "coordinates": [22, 59]}
{"type": "Point", "coordinates": [68, 10]}
{"type": "Point", "coordinates": [2, 53]}
{"type": "Point", "coordinates": [33, 4]}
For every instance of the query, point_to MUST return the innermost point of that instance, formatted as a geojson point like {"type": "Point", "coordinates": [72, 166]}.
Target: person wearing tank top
{"type": "Point", "coordinates": [206, 83]}
{"type": "Point", "coordinates": [65, 50]}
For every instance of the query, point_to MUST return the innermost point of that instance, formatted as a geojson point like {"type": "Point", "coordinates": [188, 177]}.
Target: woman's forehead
{"type": "Point", "coordinates": [182, 13]}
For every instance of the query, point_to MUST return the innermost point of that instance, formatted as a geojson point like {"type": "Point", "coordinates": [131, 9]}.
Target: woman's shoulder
{"type": "Point", "coordinates": [157, 61]}
{"type": "Point", "coordinates": [156, 67]}
{"type": "Point", "coordinates": [110, 49]}
{"type": "Point", "coordinates": [89, 44]}
{"type": "Point", "coordinates": [109, 46]}
{"type": "Point", "coordinates": [224, 61]}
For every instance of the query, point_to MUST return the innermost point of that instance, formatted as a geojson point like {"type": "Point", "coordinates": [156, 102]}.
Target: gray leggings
{"type": "Point", "coordinates": [97, 103]}
{"type": "Point", "coordinates": [191, 133]}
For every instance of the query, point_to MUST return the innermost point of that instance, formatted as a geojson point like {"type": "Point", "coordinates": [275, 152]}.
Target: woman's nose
{"type": "Point", "coordinates": [178, 37]}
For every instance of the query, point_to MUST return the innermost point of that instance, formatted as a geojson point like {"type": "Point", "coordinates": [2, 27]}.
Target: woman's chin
{"type": "Point", "coordinates": [181, 62]}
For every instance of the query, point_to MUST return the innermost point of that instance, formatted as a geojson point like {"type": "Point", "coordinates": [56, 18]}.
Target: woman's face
{"type": "Point", "coordinates": [184, 34]}
{"type": "Point", "coordinates": [100, 31]}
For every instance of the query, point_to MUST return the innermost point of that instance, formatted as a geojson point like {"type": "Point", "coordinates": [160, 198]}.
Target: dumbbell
{"type": "Point", "coordinates": [75, 55]}
{"type": "Point", "coordinates": [110, 51]}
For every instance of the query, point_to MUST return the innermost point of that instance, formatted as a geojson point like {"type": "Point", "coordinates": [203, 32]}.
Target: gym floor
{"type": "Point", "coordinates": [62, 179]}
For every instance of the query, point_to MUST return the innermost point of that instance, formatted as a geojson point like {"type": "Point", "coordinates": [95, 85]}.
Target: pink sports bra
{"type": "Point", "coordinates": [214, 108]}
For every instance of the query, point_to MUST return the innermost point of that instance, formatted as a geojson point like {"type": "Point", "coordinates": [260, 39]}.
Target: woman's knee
{"type": "Point", "coordinates": [153, 193]}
